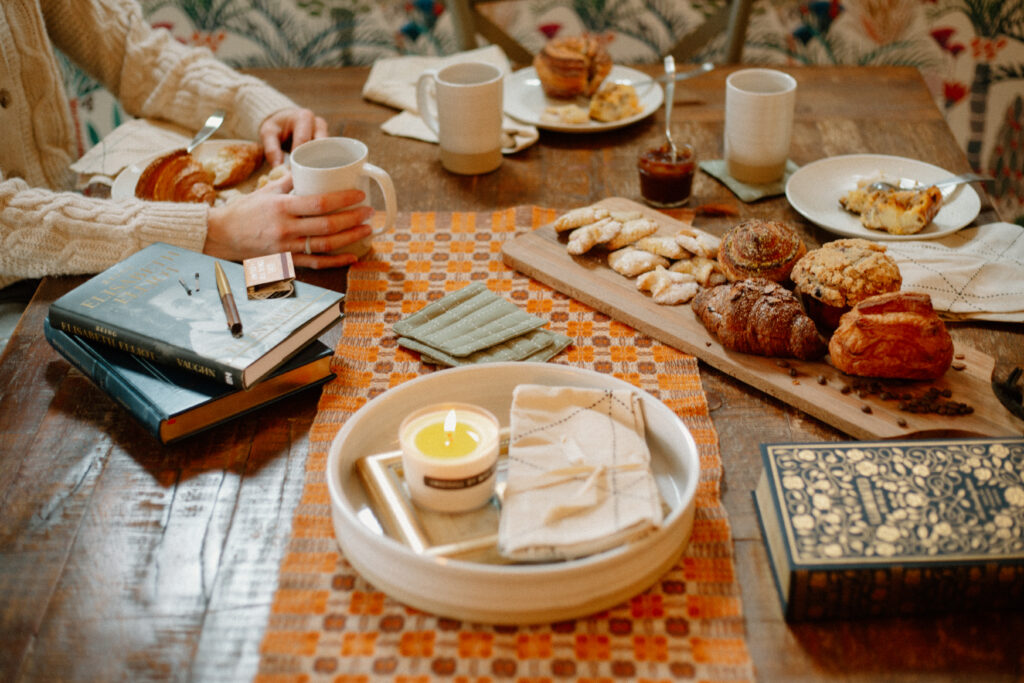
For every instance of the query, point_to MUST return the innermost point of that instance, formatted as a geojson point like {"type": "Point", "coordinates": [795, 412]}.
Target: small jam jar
{"type": "Point", "coordinates": [664, 181]}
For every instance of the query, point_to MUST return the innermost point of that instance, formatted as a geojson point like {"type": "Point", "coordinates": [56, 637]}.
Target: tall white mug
{"type": "Point", "coordinates": [467, 116]}
{"type": "Point", "coordinates": [759, 107]}
{"type": "Point", "coordinates": [332, 164]}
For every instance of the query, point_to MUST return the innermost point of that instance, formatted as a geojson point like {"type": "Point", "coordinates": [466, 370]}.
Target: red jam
{"type": "Point", "coordinates": [665, 181]}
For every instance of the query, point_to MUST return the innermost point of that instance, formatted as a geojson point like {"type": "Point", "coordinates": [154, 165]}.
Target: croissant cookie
{"type": "Point", "coordinates": [176, 177]}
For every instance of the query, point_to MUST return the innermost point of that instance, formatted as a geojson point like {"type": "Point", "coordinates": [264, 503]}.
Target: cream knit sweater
{"type": "Point", "coordinates": [45, 228]}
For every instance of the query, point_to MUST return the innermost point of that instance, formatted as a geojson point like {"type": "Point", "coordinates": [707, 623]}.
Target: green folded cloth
{"type": "Point", "coordinates": [745, 191]}
{"type": "Point", "coordinates": [475, 325]}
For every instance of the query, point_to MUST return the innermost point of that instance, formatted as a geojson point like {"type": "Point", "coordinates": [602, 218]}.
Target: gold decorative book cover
{"type": "Point", "coordinates": [894, 528]}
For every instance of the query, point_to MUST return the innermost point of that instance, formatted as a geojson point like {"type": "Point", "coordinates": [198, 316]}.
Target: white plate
{"type": "Point", "coordinates": [516, 593]}
{"type": "Point", "coordinates": [814, 190]}
{"type": "Point", "coordinates": [525, 100]}
{"type": "Point", "coordinates": [124, 184]}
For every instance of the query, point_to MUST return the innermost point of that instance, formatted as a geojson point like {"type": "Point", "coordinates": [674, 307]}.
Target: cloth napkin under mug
{"type": "Point", "coordinates": [392, 82]}
{"type": "Point", "coordinates": [748, 192]}
{"type": "Point", "coordinates": [579, 477]}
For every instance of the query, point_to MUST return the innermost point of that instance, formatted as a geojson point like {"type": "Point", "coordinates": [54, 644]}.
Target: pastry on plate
{"type": "Point", "coordinates": [572, 66]}
{"type": "Point", "coordinates": [176, 177]}
{"type": "Point", "coordinates": [760, 249]}
{"type": "Point", "coordinates": [898, 212]}
{"type": "Point", "coordinates": [832, 279]}
{"type": "Point", "coordinates": [614, 102]}
{"type": "Point", "coordinates": [232, 163]}
{"type": "Point", "coordinates": [758, 316]}
{"type": "Point", "coordinates": [894, 335]}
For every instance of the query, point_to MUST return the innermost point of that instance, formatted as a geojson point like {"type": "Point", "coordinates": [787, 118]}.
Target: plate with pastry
{"type": "Point", "coordinates": [214, 170]}
{"type": "Point", "coordinates": [835, 193]}
{"type": "Point", "coordinates": [578, 104]}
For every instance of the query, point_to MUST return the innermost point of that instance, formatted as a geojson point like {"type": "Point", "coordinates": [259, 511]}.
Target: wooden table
{"type": "Point", "coordinates": [124, 560]}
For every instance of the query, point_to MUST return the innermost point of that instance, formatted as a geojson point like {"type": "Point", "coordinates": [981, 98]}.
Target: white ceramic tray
{"type": "Point", "coordinates": [511, 593]}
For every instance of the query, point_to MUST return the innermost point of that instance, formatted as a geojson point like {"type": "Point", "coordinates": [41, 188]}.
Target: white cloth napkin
{"type": "Point", "coordinates": [392, 81]}
{"type": "Point", "coordinates": [579, 478]}
{"type": "Point", "coordinates": [133, 141]}
{"type": "Point", "coordinates": [973, 274]}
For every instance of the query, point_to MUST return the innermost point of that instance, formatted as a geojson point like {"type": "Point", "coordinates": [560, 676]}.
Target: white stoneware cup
{"type": "Point", "coordinates": [467, 116]}
{"type": "Point", "coordinates": [759, 107]}
{"type": "Point", "coordinates": [332, 164]}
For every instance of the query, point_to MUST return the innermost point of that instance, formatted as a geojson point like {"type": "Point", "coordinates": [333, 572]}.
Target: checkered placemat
{"type": "Point", "coordinates": [327, 623]}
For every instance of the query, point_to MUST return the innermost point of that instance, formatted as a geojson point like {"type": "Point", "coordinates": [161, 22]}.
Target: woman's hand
{"type": "Point", "coordinates": [299, 125]}
{"type": "Point", "coordinates": [270, 221]}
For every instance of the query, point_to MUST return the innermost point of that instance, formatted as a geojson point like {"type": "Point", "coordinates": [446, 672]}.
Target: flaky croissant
{"type": "Point", "coordinates": [760, 317]}
{"type": "Point", "coordinates": [176, 177]}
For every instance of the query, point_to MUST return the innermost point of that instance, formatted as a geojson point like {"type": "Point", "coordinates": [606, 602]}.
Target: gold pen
{"type": "Point", "coordinates": [228, 301]}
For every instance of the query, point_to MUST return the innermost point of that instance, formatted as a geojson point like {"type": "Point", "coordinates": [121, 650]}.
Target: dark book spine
{"type": "Point", "coordinates": [145, 347]}
{"type": "Point", "coordinates": [99, 372]}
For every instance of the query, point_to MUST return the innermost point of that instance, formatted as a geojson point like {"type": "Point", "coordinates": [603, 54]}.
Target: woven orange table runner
{"type": "Point", "coordinates": [327, 623]}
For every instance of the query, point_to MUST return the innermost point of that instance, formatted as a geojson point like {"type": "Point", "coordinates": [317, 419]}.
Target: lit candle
{"type": "Point", "coordinates": [449, 456]}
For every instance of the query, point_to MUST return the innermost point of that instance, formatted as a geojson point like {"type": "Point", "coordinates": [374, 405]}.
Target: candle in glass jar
{"type": "Point", "coordinates": [449, 456]}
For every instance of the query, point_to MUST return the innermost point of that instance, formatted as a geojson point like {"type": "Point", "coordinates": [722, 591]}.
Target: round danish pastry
{"type": "Point", "coordinates": [760, 249]}
{"type": "Point", "coordinates": [572, 66]}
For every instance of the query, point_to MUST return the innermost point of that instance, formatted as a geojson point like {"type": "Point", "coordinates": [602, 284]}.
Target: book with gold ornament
{"type": "Point", "coordinates": [894, 528]}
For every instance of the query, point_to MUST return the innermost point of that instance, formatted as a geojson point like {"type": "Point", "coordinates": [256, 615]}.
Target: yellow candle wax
{"type": "Point", "coordinates": [435, 441]}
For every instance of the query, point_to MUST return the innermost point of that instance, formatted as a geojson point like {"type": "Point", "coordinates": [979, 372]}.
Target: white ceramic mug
{"type": "Point", "coordinates": [332, 164]}
{"type": "Point", "coordinates": [759, 107]}
{"type": "Point", "coordinates": [467, 116]}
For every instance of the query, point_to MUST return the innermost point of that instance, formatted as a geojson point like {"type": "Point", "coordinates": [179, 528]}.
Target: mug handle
{"type": "Point", "coordinates": [387, 188]}
{"type": "Point", "coordinates": [423, 100]}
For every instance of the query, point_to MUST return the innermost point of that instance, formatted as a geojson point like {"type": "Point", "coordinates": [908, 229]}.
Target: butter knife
{"type": "Point", "coordinates": [208, 129]}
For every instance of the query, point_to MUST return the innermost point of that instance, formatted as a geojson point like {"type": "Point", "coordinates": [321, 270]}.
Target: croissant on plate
{"type": "Point", "coordinates": [760, 317]}
{"type": "Point", "coordinates": [232, 163]}
{"type": "Point", "coordinates": [176, 177]}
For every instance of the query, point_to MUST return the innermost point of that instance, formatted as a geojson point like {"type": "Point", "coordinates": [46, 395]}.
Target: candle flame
{"type": "Point", "coordinates": [449, 427]}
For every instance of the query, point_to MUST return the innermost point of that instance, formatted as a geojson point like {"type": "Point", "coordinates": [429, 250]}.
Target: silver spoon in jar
{"type": "Point", "coordinates": [670, 93]}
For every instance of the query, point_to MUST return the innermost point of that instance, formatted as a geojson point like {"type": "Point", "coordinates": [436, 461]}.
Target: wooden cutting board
{"type": "Point", "coordinates": [541, 254]}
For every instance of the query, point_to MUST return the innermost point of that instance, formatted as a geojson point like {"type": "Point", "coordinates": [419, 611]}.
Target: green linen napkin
{"type": "Point", "coordinates": [746, 192]}
{"type": "Point", "coordinates": [475, 325]}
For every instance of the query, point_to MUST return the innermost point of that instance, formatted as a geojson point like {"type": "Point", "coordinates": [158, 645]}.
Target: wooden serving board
{"type": "Point", "coordinates": [541, 254]}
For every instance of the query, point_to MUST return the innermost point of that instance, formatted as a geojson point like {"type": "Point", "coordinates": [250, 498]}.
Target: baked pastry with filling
{"type": "Point", "coordinates": [832, 279]}
{"type": "Point", "coordinates": [176, 177]}
{"type": "Point", "coordinates": [572, 66]}
{"type": "Point", "coordinates": [760, 249]}
{"type": "Point", "coordinates": [614, 102]}
{"type": "Point", "coordinates": [758, 316]}
{"type": "Point", "coordinates": [894, 335]}
{"type": "Point", "coordinates": [898, 212]}
{"type": "Point", "coordinates": [232, 163]}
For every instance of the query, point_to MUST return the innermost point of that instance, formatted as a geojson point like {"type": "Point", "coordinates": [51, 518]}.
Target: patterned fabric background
{"type": "Point", "coordinates": [327, 623]}
{"type": "Point", "coordinates": [971, 52]}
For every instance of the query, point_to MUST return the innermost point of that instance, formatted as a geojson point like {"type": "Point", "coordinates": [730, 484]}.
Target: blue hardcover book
{"type": "Point", "coordinates": [894, 528]}
{"type": "Point", "coordinates": [162, 304]}
{"type": "Point", "coordinates": [173, 403]}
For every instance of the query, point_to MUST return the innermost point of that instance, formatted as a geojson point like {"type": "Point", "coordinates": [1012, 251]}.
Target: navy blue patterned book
{"type": "Point", "coordinates": [162, 304]}
{"type": "Point", "coordinates": [173, 403]}
{"type": "Point", "coordinates": [894, 528]}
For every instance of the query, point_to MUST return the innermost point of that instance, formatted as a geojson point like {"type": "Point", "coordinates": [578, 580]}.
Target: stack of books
{"type": "Point", "coordinates": [183, 352]}
{"type": "Point", "coordinates": [894, 528]}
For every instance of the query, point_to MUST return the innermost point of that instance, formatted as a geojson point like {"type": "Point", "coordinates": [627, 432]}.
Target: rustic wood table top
{"type": "Point", "coordinates": [121, 559]}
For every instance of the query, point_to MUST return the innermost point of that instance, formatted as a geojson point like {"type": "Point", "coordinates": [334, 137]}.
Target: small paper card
{"type": "Point", "coordinates": [270, 277]}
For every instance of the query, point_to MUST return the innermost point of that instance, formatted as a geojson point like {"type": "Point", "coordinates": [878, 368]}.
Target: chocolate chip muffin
{"type": "Point", "coordinates": [839, 275]}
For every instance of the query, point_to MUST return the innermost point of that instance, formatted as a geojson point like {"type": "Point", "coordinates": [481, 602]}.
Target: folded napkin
{"type": "Point", "coordinates": [132, 142]}
{"type": "Point", "coordinates": [392, 81]}
{"type": "Point", "coordinates": [973, 274]}
{"type": "Point", "coordinates": [718, 168]}
{"type": "Point", "coordinates": [579, 478]}
{"type": "Point", "coordinates": [475, 325]}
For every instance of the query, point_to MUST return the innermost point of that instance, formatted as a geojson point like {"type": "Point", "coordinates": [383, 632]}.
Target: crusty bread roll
{"type": "Point", "coordinates": [895, 335]}
{"type": "Point", "coordinates": [176, 177]}
{"type": "Point", "coordinates": [232, 163]}
{"type": "Point", "coordinates": [760, 317]}
{"type": "Point", "coordinates": [760, 249]}
{"type": "Point", "coordinates": [572, 66]}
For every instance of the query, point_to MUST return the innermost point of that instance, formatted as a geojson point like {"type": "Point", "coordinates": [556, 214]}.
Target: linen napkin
{"type": "Point", "coordinates": [475, 325]}
{"type": "Point", "coordinates": [973, 274]}
{"type": "Point", "coordinates": [132, 142]}
{"type": "Point", "coordinates": [748, 192]}
{"type": "Point", "coordinates": [579, 478]}
{"type": "Point", "coordinates": [392, 82]}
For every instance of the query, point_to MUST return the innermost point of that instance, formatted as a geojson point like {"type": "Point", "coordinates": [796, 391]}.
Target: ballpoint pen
{"type": "Point", "coordinates": [228, 301]}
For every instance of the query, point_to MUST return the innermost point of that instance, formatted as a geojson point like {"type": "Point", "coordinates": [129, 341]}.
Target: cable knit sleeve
{"type": "Point", "coordinates": [61, 233]}
{"type": "Point", "coordinates": [152, 74]}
